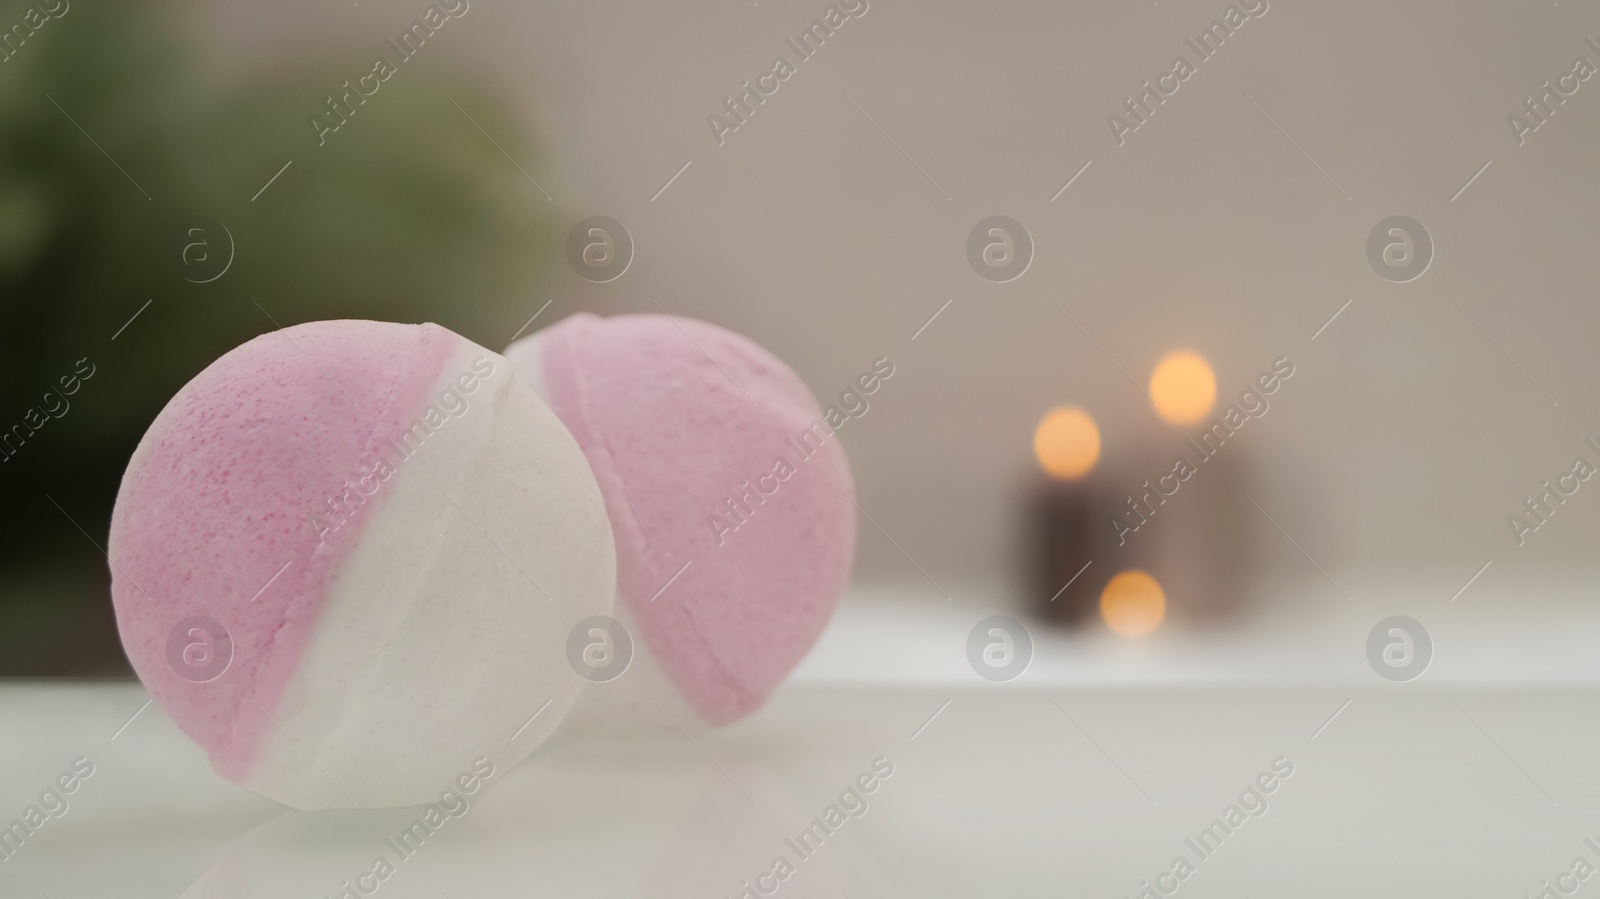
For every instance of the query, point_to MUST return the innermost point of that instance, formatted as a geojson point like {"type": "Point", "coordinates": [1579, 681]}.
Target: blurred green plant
{"type": "Point", "coordinates": [410, 214]}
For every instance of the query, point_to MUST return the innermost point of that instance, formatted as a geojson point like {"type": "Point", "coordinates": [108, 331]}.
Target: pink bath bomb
{"type": "Point", "coordinates": [730, 499]}
{"type": "Point", "coordinates": [346, 557]}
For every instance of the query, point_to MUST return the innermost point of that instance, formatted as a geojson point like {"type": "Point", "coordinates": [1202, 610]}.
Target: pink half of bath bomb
{"type": "Point", "coordinates": [676, 416]}
{"type": "Point", "coordinates": [214, 510]}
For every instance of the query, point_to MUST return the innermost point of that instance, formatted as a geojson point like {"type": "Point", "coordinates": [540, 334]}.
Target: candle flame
{"type": "Point", "coordinates": [1067, 443]}
{"type": "Point", "coordinates": [1133, 604]}
{"type": "Point", "coordinates": [1183, 387]}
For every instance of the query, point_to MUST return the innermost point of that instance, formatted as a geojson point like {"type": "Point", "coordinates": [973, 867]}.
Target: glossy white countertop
{"type": "Point", "coordinates": [1073, 780]}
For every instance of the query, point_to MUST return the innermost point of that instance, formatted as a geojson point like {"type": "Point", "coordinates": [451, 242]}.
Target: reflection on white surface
{"type": "Point", "coordinates": [1421, 792]}
{"type": "Point", "coordinates": [1036, 787]}
{"type": "Point", "coordinates": [672, 825]}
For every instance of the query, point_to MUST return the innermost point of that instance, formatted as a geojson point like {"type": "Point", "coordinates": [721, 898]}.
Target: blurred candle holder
{"type": "Point", "coordinates": [1141, 536]}
{"type": "Point", "coordinates": [1193, 541]}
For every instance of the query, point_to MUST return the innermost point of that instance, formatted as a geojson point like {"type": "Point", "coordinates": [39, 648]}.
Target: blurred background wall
{"type": "Point", "coordinates": [830, 227]}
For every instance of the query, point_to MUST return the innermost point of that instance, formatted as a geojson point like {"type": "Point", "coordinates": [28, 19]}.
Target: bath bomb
{"type": "Point", "coordinates": [730, 499]}
{"type": "Point", "coordinates": [345, 559]}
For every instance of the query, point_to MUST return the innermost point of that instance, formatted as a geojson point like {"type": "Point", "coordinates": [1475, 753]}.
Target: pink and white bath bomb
{"type": "Point", "coordinates": [345, 559]}
{"type": "Point", "coordinates": [731, 502]}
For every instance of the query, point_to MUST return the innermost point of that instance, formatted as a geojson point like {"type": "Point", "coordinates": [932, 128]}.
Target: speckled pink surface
{"type": "Point", "coordinates": [219, 495]}
{"type": "Point", "coordinates": [671, 433]}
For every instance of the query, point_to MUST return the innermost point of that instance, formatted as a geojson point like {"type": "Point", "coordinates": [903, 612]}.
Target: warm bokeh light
{"type": "Point", "coordinates": [1133, 604]}
{"type": "Point", "coordinates": [1067, 442]}
{"type": "Point", "coordinates": [1183, 387]}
